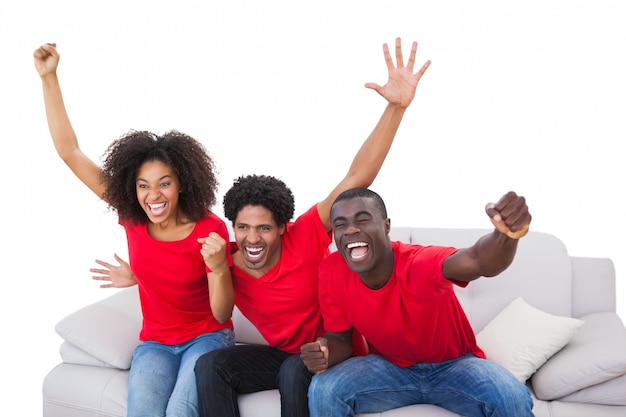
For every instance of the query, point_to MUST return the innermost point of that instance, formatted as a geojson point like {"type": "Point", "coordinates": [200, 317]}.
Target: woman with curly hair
{"type": "Point", "coordinates": [162, 188]}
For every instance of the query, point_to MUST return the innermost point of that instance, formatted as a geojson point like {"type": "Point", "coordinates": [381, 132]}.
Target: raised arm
{"type": "Point", "coordinates": [492, 253]}
{"type": "Point", "coordinates": [221, 292]}
{"type": "Point", "coordinates": [399, 92]}
{"type": "Point", "coordinates": [63, 136]}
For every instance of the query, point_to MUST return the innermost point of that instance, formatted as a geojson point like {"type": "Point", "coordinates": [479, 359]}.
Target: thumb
{"type": "Point", "coordinates": [496, 218]}
{"type": "Point", "coordinates": [374, 86]}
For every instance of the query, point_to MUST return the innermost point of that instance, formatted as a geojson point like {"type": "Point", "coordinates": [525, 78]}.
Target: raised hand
{"type": "Point", "coordinates": [214, 251]}
{"type": "Point", "coordinates": [510, 215]}
{"type": "Point", "coordinates": [119, 276]}
{"type": "Point", "coordinates": [46, 59]}
{"type": "Point", "coordinates": [402, 82]}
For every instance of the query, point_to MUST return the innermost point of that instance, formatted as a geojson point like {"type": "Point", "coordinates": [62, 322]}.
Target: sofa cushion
{"type": "Point", "coordinates": [114, 342]}
{"type": "Point", "coordinates": [611, 392]}
{"type": "Point", "coordinates": [72, 354]}
{"type": "Point", "coordinates": [597, 353]}
{"type": "Point", "coordinates": [521, 337]}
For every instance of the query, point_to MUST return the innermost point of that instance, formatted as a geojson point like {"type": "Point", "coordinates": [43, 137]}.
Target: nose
{"type": "Point", "coordinates": [154, 194]}
{"type": "Point", "coordinates": [253, 236]}
{"type": "Point", "coordinates": [351, 229]}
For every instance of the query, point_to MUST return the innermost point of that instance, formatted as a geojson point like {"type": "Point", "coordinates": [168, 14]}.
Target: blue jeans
{"type": "Point", "coordinates": [223, 374]}
{"type": "Point", "coordinates": [162, 381]}
{"type": "Point", "coordinates": [468, 386]}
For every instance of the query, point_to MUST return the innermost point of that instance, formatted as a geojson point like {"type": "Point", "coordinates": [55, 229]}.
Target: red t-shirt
{"type": "Point", "coordinates": [173, 286]}
{"type": "Point", "coordinates": [415, 318]}
{"type": "Point", "coordinates": [283, 303]}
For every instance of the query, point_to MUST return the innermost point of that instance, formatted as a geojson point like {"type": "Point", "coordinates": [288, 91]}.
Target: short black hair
{"type": "Point", "coordinates": [260, 190]}
{"type": "Point", "coordinates": [363, 193]}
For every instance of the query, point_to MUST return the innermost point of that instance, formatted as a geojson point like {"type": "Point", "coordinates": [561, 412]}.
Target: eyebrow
{"type": "Point", "coordinates": [160, 179]}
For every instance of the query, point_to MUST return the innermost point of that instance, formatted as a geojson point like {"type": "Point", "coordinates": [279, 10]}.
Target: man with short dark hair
{"type": "Point", "coordinates": [400, 298]}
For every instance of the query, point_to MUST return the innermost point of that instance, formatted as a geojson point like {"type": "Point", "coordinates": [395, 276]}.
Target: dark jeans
{"type": "Point", "coordinates": [223, 374]}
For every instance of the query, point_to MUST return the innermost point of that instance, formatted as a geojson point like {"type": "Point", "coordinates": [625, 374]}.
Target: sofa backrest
{"type": "Point", "coordinates": [541, 273]}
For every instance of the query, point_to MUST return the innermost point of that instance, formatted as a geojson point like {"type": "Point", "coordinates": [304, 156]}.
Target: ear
{"type": "Point", "coordinates": [387, 225]}
{"type": "Point", "coordinates": [281, 229]}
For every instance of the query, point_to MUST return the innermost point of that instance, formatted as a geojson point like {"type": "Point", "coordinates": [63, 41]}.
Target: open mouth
{"type": "Point", "coordinates": [254, 253]}
{"type": "Point", "coordinates": [156, 208]}
{"type": "Point", "coordinates": [357, 250]}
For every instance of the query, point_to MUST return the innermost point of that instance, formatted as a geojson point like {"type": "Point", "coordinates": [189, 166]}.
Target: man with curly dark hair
{"type": "Point", "coordinates": [162, 188]}
{"type": "Point", "coordinates": [275, 266]}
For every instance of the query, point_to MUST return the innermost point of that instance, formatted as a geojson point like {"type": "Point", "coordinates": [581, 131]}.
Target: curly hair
{"type": "Point", "coordinates": [260, 190]}
{"type": "Point", "coordinates": [187, 157]}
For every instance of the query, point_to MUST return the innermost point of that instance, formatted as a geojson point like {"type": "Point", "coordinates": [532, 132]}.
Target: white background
{"type": "Point", "coordinates": [526, 96]}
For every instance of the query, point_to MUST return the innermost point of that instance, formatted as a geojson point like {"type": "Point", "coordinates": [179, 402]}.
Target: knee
{"type": "Point", "coordinates": [207, 364]}
{"type": "Point", "coordinates": [514, 398]}
{"type": "Point", "coordinates": [292, 372]}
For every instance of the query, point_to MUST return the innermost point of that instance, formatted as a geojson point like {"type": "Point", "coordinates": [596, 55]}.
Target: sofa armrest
{"type": "Point", "coordinates": [596, 354]}
{"type": "Point", "coordinates": [73, 355]}
{"type": "Point", "coordinates": [107, 330]}
{"type": "Point", "coordinates": [593, 286]}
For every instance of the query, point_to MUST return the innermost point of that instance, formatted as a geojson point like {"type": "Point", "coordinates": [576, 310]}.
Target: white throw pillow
{"type": "Point", "coordinates": [521, 337]}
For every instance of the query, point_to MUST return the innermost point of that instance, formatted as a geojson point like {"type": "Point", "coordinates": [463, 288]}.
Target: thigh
{"type": "Point", "coordinates": [245, 368]}
{"type": "Point", "coordinates": [473, 386]}
{"type": "Point", "coordinates": [184, 398]}
{"type": "Point", "coordinates": [364, 384]}
{"type": "Point", "coordinates": [153, 373]}
{"type": "Point", "coordinates": [197, 347]}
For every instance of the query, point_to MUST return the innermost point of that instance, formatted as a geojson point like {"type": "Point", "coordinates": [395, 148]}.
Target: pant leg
{"type": "Point", "coordinates": [151, 381]}
{"type": "Point", "coordinates": [221, 375]}
{"type": "Point", "coordinates": [293, 382]}
{"type": "Point", "coordinates": [184, 399]}
{"type": "Point", "coordinates": [362, 384]}
{"type": "Point", "coordinates": [476, 387]}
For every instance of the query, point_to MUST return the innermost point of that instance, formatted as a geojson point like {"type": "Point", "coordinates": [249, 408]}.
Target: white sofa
{"type": "Point", "coordinates": [586, 378]}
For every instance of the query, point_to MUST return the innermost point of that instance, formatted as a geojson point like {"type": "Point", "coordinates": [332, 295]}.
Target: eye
{"type": "Point", "coordinates": [142, 186]}
{"type": "Point", "coordinates": [265, 228]}
{"type": "Point", "coordinates": [165, 184]}
{"type": "Point", "coordinates": [242, 227]}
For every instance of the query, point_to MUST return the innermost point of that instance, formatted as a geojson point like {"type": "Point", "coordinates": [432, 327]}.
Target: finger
{"type": "Point", "coordinates": [492, 212]}
{"type": "Point", "coordinates": [119, 260]}
{"type": "Point", "coordinates": [105, 264]}
{"type": "Point", "coordinates": [422, 70]}
{"type": "Point", "coordinates": [399, 59]}
{"type": "Point", "coordinates": [99, 271]}
{"type": "Point", "coordinates": [411, 62]}
{"type": "Point", "coordinates": [376, 87]}
{"type": "Point", "coordinates": [99, 278]}
{"type": "Point", "coordinates": [388, 60]}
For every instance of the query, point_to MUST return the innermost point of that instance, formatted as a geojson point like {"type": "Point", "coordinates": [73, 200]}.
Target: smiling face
{"type": "Point", "coordinates": [157, 191]}
{"type": "Point", "coordinates": [362, 236]}
{"type": "Point", "coordinates": [259, 239]}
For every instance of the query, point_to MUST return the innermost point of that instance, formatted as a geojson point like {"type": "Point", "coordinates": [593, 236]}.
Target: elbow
{"type": "Point", "coordinates": [223, 316]}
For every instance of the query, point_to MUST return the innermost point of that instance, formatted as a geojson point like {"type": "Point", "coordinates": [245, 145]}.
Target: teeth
{"type": "Point", "coordinates": [356, 245]}
{"type": "Point", "coordinates": [156, 206]}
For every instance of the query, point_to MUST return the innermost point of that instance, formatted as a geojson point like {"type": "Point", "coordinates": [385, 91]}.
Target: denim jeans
{"type": "Point", "coordinates": [468, 386]}
{"type": "Point", "coordinates": [223, 374]}
{"type": "Point", "coordinates": [162, 381]}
